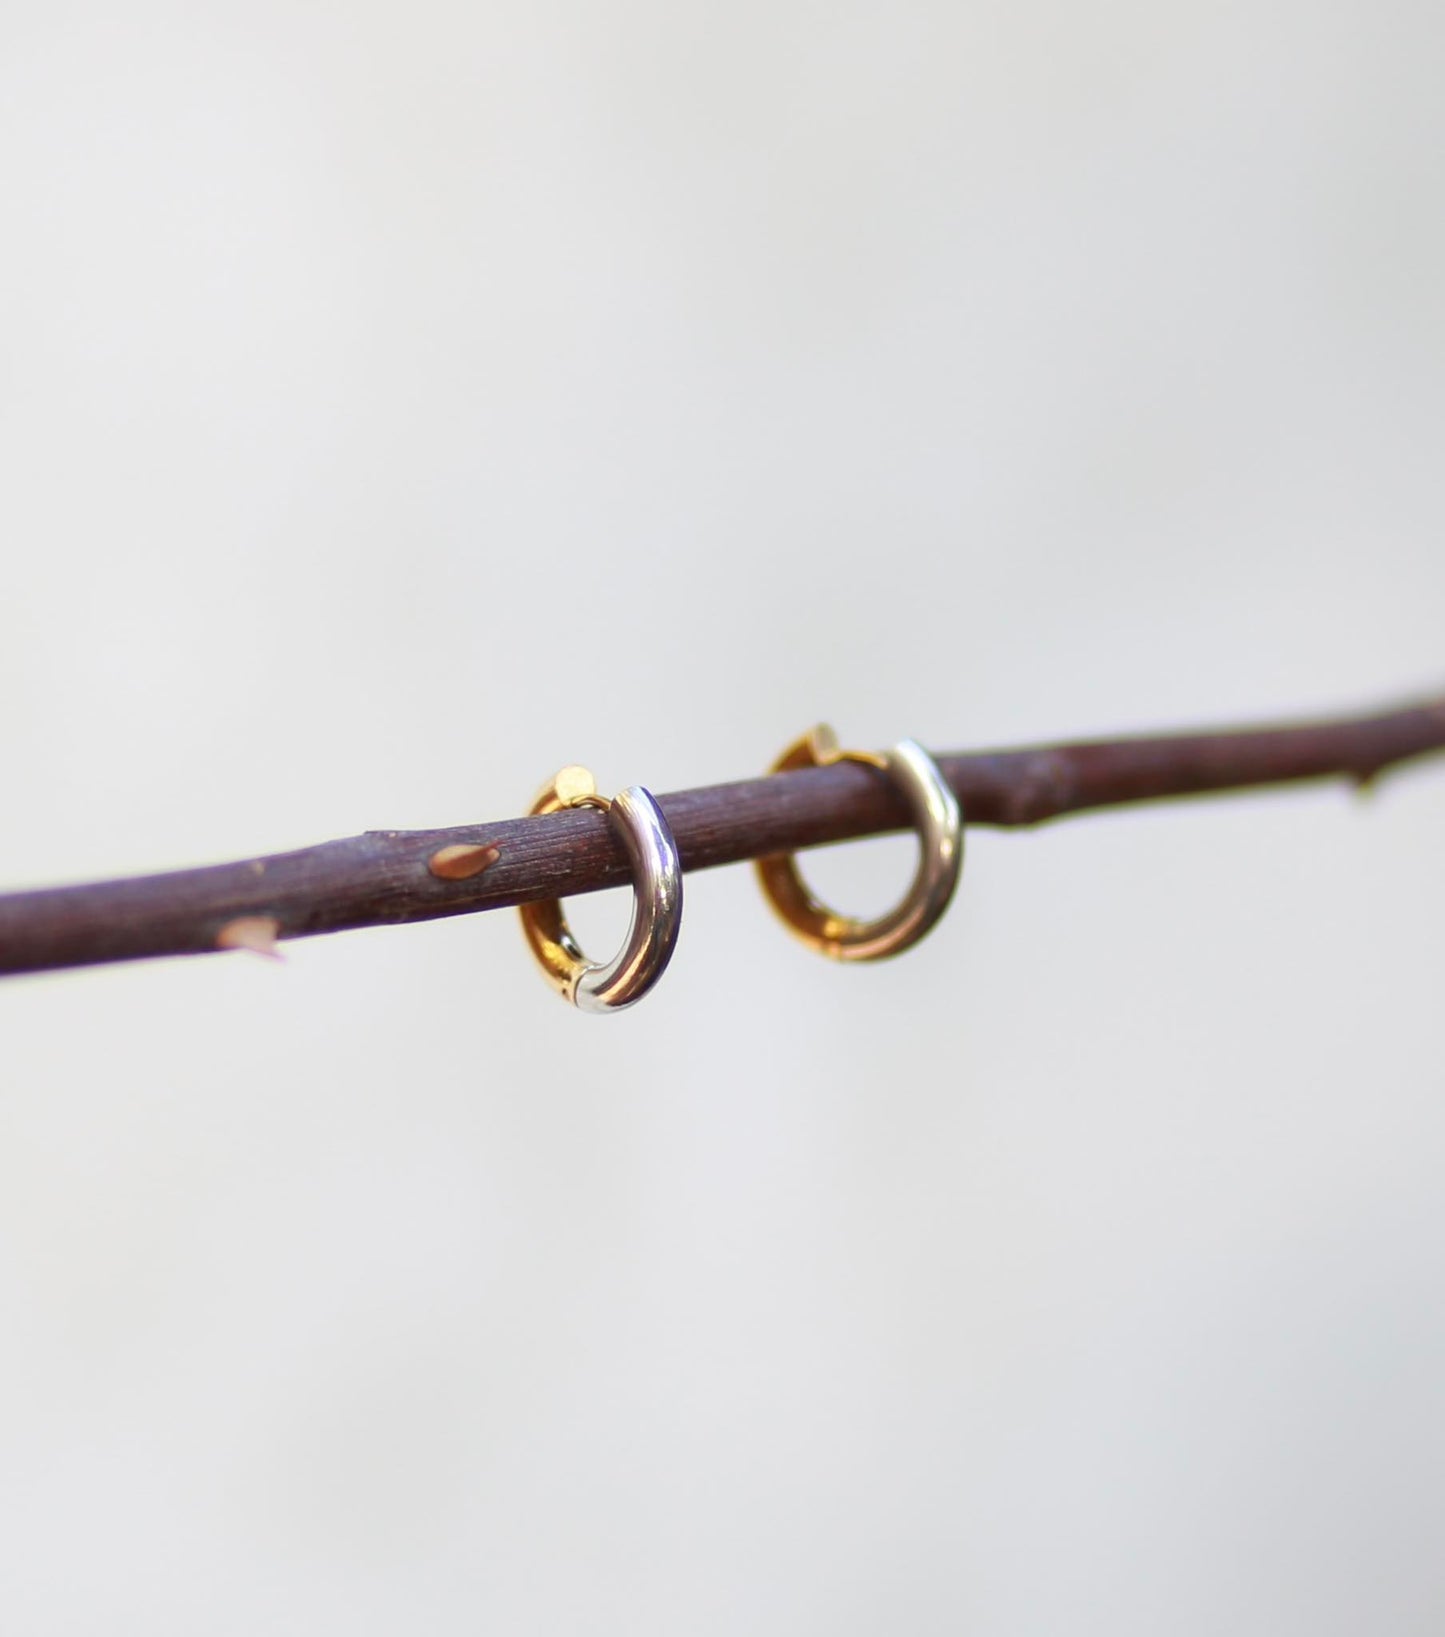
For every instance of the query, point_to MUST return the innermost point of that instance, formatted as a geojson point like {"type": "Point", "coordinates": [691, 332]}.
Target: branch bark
{"type": "Point", "coordinates": [382, 878]}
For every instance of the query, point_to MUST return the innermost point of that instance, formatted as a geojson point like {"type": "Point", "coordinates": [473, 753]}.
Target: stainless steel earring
{"type": "Point", "coordinates": [939, 820]}
{"type": "Point", "coordinates": [592, 986]}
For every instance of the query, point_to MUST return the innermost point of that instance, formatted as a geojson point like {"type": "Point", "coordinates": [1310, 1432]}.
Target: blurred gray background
{"type": "Point", "coordinates": [399, 402]}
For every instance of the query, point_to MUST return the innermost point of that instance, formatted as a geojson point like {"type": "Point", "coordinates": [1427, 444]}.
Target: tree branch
{"type": "Point", "coordinates": [383, 877]}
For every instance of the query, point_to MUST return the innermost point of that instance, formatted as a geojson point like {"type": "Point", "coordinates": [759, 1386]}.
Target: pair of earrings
{"type": "Point", "coordinates": [593, 986]}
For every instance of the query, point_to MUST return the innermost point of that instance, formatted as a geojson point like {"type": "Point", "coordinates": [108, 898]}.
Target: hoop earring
{"type": "Point", "coordinates": [939, 820]}
{"type": "Point", "coordinates": [592, 986]}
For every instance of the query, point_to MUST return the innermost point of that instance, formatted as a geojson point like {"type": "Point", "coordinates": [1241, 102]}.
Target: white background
{"type": "Point", "coordinates": [397, 402]}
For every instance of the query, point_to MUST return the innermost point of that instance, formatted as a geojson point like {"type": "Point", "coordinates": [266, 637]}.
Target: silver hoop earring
{"type": "Point", "coordinates": [939, 821]}
{"type": "Point", "coordinates": [593, 986]}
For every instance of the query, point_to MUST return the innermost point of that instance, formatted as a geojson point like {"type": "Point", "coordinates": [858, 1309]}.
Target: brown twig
{"type": "Point", "coordinates": [389, 876]}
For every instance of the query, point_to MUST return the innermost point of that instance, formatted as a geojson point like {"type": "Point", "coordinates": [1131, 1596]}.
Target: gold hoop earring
{"type": "Point", "coordinates": [939, 821]}
{"type": "Point", "coordinates": [594, 986]}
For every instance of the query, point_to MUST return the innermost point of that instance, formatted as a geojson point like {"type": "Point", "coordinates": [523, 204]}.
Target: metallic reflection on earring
{"type": "Point", "coordinates": [656, 910]}
{"type": "Point", "coordinates": [939, 821]}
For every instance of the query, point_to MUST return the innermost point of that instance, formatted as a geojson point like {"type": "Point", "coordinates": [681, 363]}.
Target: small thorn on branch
{"type": "Point", "coordinates": [461, 862]}
{"type": "Point", "coordinates": [256, 933]}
